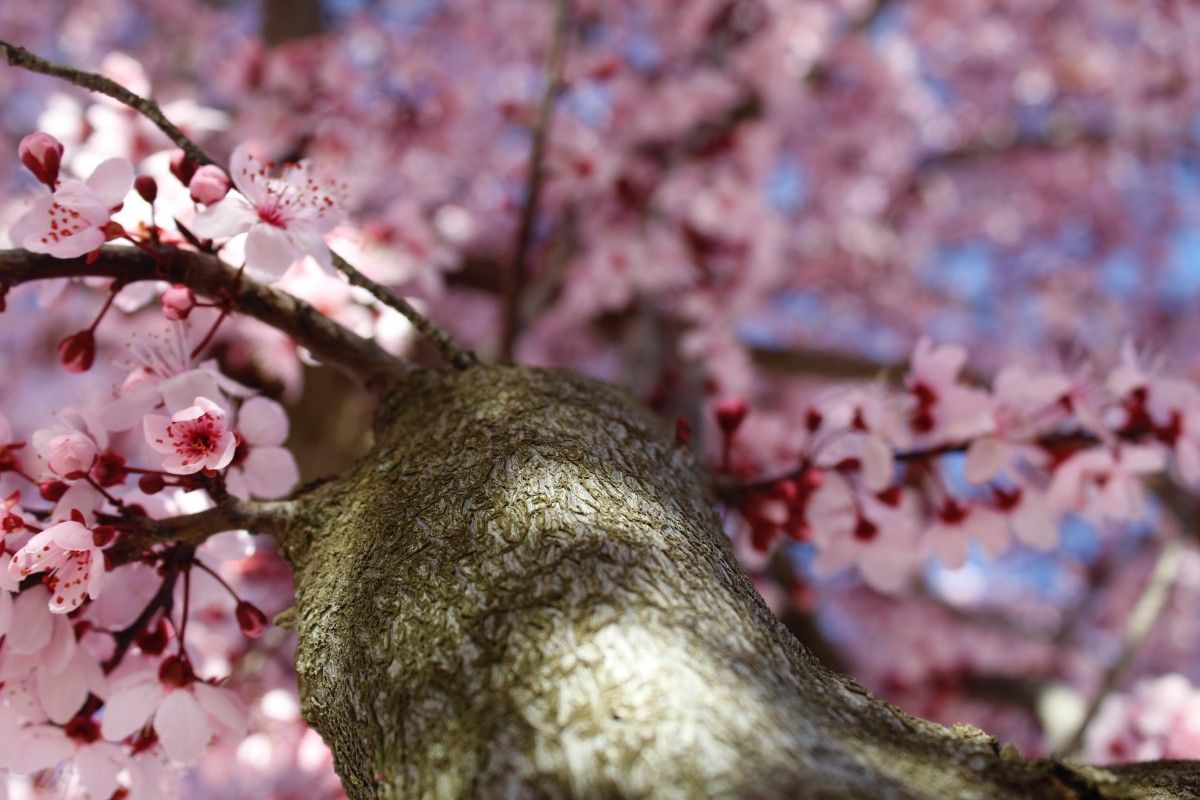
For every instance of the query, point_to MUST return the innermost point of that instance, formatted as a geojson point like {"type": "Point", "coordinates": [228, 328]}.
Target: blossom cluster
{"type": "Point", "coordinates": [943, 467]}
{"type": "Point", "coordinates": [98, 678]}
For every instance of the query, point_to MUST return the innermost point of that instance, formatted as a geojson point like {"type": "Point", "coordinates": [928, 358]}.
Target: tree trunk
{"type": "Point", "coordinates": [524, 591]}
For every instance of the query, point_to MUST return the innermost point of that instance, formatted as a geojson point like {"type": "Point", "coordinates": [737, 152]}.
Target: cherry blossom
{"type": "Point", "coordinates": [74, 564]}
{"type": "Point", "coordinates": [193, 439]}
{"type": "Point", "coordinates": [261, 467]}
{"type": "Point", "coordinates": [286, 218]}
{"type": "Point", "coordinates": [185, 712]}
{"type": "Point", "coordinates": [72, 221]}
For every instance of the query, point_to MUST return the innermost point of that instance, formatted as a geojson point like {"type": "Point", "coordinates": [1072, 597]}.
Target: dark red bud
{"type": "Point", "coordinates": [154, 640]}
{"type": "Point", "coordinates": [730, 414]}
{"type": "Point", "coordinates": [250, 619]}
{"type": "Point", "coordinates": [175, 672]}
{"type": "Point", "coordinates": [151, 484]}
{"type": "Point", "coordinates": [77, 352]}
{"type": "Point", "coordinates": [146, 187]}
{"type": "Point", "coordinates": [110, 469]}
{"type": "Point", "coordinates": [183, 167]}
{"type": "Point", "coordinates": [52, 491]}
{"type": "Point", "coordinates": [103, 535]}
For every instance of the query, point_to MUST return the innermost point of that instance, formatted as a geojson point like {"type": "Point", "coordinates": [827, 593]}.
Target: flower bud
{"type": "Point", "coordinates": [77, 352]}
{"type": "Point", "coordinates": [730, 414]}
{"type": "Point", "coordinates": [208, 185]}
{"type": "Point", "coordinates": [42, 154]}
{"type": "Point", "coordinates": [103, 535]}
{"type": "Point", "coordinates": [182, 167]}
{"type": "Point", "coordinates": [177, 302]}
{"type": "Point", "coordinates": [250, 619]}
{"type": "Point", "coordinates": [147, 187]}
{"type": "Point", "coordinates": [110, 469]}
{"type": "Point", "coordinates": [151, 484]}
{"type": "Point", "coordinates": [52, 491]}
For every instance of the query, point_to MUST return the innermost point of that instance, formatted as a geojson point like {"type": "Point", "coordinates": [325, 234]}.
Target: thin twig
{"type": "Point", "coordinates": [231, 514]}
{"type": "Point", "coordinates": [22, 58]}
{"type": "Point", "coordinates": [457, 356]}
{"type": "Point", "coordinates": [534, 178]}
{"type": "Point", "coordinates": [1142, 616]}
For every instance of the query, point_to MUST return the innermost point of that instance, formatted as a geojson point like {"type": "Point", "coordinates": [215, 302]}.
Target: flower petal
{"type": "Point", "coordinates": [228, 217]}
{"type": "Point", "coordinates": [270, 472]}
{"type": "Point", "coordinates": [111, 180]}
{"type": "Point", "coordinates": [262, 422]}
{"type": "Point", "coordinates": [128, 708]}
{"type": "Point", "coordinates": [182, 727]}
{"type": "Point", "coordinates": [269, 252]}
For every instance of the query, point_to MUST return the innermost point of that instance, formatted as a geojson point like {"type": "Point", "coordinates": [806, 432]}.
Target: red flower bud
{"type": "Point", "coordinates": [52, 491]}
{"type": "Point", "coordinates": [146, 187]}
{"type": "Point", "coordinates": [77, 352]}
{"type": "Point", "coordinates": [250, 619]}
{"type": "Point", "coordinates": [103, 535]}
{"type": "Point", "coordinates": [730, 414]}
{"type": "Point", "coordinates": [182, 167]}
{"type": "Point", "coordinates": [110, 469]}
{"type": "Point", "coordinates": [176, 672]}
{"type": "Point", "coordinates": [151, 484]}
{"type": "Point", "coordinates": [683, 431]}
{"type": "Point", "coordinates": [41, 154]}
{"type": "Point", "coordinates": [154, 640]}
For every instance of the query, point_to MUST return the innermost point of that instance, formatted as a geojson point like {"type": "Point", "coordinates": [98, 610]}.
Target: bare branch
{"type": "Point", "coordinates": [20, 57]}
{"type": "Point", "coordinates": [207, 275]}
{"type": "Point", "coordinates": [1142, 616]}
{"type": "Point", "coordinates": [534, 177]}
{"type": "Point", "coordinates": [191, 529]}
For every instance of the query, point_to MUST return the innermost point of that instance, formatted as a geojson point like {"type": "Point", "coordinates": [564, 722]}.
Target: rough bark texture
{"type": "Point", "coordinates": [523, 591]}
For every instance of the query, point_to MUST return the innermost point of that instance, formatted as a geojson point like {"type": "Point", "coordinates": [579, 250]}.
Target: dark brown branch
{"type": "Point", "coordinates": [191, 529]}
{"type": "Point", "coordinates": [457, 357]}
{"type": "Point", "coordinates": [209, 276]}
{"type": "Point", "coordinates": [534, 178]}
{"type": "Point", "coordinates": [20, 57]}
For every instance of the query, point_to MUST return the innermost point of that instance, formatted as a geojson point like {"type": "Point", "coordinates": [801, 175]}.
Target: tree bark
{"type": "Point", "coordinates": [523, 590]}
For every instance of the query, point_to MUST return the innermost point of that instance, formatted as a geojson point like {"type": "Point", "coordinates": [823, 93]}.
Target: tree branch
{"type": "Point", "coordinates": [209, 276]}
{"type": "Point", "coordinates": [1142, 616]}
{"type": "Point", "coordinates": [534, 178]}
{"type": "Point", "coordinates": [22, 58]}
{"type": "Point", "coordinates": [230, 514]}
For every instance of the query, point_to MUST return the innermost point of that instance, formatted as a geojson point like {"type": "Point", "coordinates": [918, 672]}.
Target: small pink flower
{"type": "Point", "coordinates": [209, 185]}
{"type": "Point", "coordinates": [177, 302]}
{"type": "Point", "coordinates": [70, 222]}
{"type": "Point", "coordinates": [287, 218]}
{"type": "Point", "coordinates": [68, 553]}
{"type": "Point", "coordinates": [196, 438]}
{"type": "Point", "coordinates": [957, 524]}
{"type": "Point", "coordinates": [42, 154]}
{"type": "Point", "coordinates": [182, 709]}
{"type": "Point", "coordinates": [69, 453]}
{"type": "Point", "coordinates": [261, 466]}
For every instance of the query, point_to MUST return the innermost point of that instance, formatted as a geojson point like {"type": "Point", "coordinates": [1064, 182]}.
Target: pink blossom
{"type": "Point", "coordinates": [94, 764]}
{"type": "Point", "coordinates": [262, 467]}
{"type": "Point", "coordinates": [209, 185]}
{"type": "Point", "coordinates": [71, 221]}
{"type": "Point", "coordinates": [287, 218]}
{"type": "Point", "coordinates": [1105, 483]}
{"type": "Point", "coordinates": [177, 302]}
{"type": "Point", "coordinates": [66, 551]}
{"type": "Point", "coordinates": [68, 452]}
{"type": "Point", "coordinates": [195, 438]}
{"type": "Point", "coordinates": [875, 536]}
{"type": "Point", "coordinates": [957, 524]}
{"type": "Point", "coordinates": [183, 710]}
{"type": "Point", "coordinates": [42, 154]}
{"type": "Point", "coordinates": [942, 408]}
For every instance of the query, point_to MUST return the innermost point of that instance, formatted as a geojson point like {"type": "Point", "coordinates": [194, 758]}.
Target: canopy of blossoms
{"type": "Point", "coordinates": [916, 281]}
